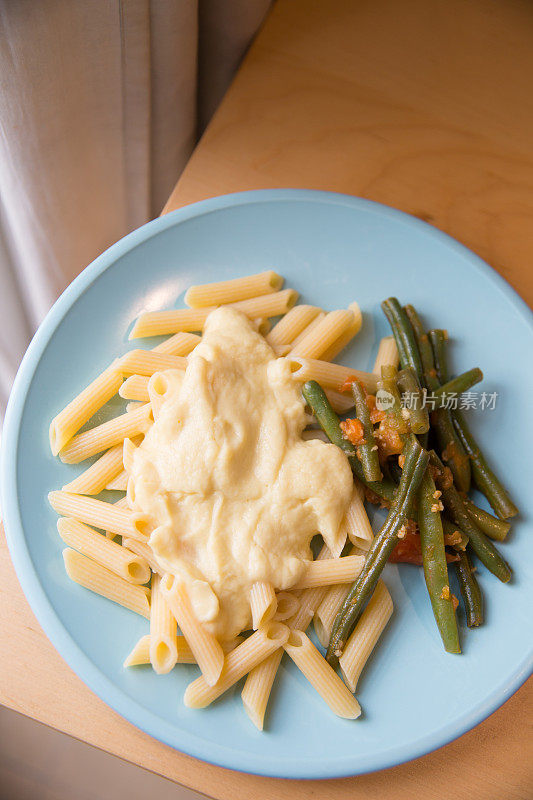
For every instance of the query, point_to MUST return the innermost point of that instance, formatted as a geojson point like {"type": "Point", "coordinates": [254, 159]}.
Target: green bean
{"type": "Point", "coordinates": [404, 335]}
{"type": "Point", "coordinates": [393, 409]}
{"type": "Point", "coordinates": [431, 380]}
{"type": "Point", "coordinates": [330, 424]}
{"type": "Point", "coordinates": [418, 414]}
{"type": "Point", "coordinates": [483, 548]}
{"type": "Point", "coordinates": [462, 383]}
{"type": "Point", "coordinates": [460, 538]}
{"type": "Point", "coordinates": [434, 561]}
{"type": "Point", "coordinates": [416, 460]}
{"type": "Point", "coordinates": [439, 340]}
{"type": "Point", "coordinates": [485, 479]}
{"type": "Point", "coordinates": [470, 591]}
{"type": "Point", "coordinates": [367, 451]}
{"type": "Point", "coordinates": [491, 526]}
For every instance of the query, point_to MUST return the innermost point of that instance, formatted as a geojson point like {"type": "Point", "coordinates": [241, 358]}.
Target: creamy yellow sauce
{"type": "Point", "coordinates": [234, 492]}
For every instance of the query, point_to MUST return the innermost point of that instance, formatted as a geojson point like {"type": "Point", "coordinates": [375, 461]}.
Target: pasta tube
{"type": "Point", "coordinates": [365, 635]}
{"type": "Point", "coordinates": [102, 515]}
{"type": "Point", "coordinates": [206, 648]}
{"type": "Point", "coordinates": [135, 388]}
{"type": "Point", "coordinates": [83, 407]}
{"type": "Point", "coordinates": [163, 641]}
{"type": "Point", "coordinates": [331, 571]}
{"type": "Point", "coordinates": [387, 355]}
{"type": "Point", "coordinates": [257, 688]}
{"type": "Point", "coordinates": [346, 337]}
{"type": "Point", "coordinates": [292, 324]}
{"type": "Point", "coordinates": [330, 376]}
{"type": "Point", "coordinates": [146, 362]}
{"type": "Point", "coordinates": [128, 565]}
{"type": "Point", "coordinates": [181, 344]}
{"type": "Point", "coordinates": [322, 336]}
{"type": "Point", "coordinates": [102, 581]}
{"type": "Point", "coordinates": [141, 651]}
{"type": "Point", "coordinates": [238, 663]}
{"type": "Point", "coordinates": [321, 676]}
{"type": "Point", "coordinates": [98, 475]}
{"type": "Point", "coordinates": [263, 603]}
{"type": "Point", "coordinates": [107, 435]}
{"type": "Point", "coordinates": [223, 292]}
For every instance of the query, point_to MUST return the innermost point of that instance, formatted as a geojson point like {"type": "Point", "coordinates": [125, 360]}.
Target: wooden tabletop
{"type": "Point", "coordinates": [425, 105]}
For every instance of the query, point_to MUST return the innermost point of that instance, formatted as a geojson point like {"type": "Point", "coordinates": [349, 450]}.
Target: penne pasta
{"type": "Point", "coordinates": [307, 330]}
{"type": "Point", "coordinates": [341, 403]}
{"type": "Point", "coordinates": [345, 338]}
{"type": "Point", "coordinates": [141, 651]}
{"type": "Point", "coordinates": [365, 635]}
{"type": "Point", "coordinates": [146, 362]}
{"type": "Point", "coordinates": [122, 503]}
{"type": "Point", "coordinates": [258, 686]}
{"type": "Point", "coordinates": [327, 611]}
{"type": "Point", "coordinates": [330, 376]}
{"type": "Point", "coordinates": [206, 648]}
{"type": "Point", "coordinates": [83, 407]}
{"type": "Point", "coordinates": [321, 676]}
{"type": "Point", "coordinates": [292, 324]}
{"type": "Point", "coordinates": [118, 484]}
{"type": "Point", "coordinates": [223, 292]}
{"type": "Point", "coordinates": [263, 325]}
{"type": "Point", "coordinates": [331, 571]}
{"type": "Point", "coordinates": [316, 341]}
{"type": "Point", "coordinates": [163, 639]}
{"type": "Point", "coordinates": [157, 323]}
{"type": "Point", "coordinates": [181, 344]}
{"type": "Point", "coordinates": [102, 515]}
{"type": "Point", "coordinates": [95, 479]}
{"type": "Point", "coordinates": [259, 646]}
{"type": "Point", "coordinates": [387, 354]}
{"type": "Point", "coordinates": [128, 565]}
{"type": "Point", "coordinates": [143, 549]}
{"type": "Point", "coordinates": [287, 606]}
{"type": "Point", "coordinates": [263, 603]}
{"type": "Point", "coordinates": [309, 600]}
{"type": "Point", "coordinates": [135, 388]}
{"type": "Point", "coordinates": [128, 452]}
{"type": "Point", "coordinates": [107, 435]}
{"type": "Point", "coordinates": [160, 385]}
{"type": "Point", "coordinates": [102, 581]}
{"type": "Point", "coordinates": [356, 520]}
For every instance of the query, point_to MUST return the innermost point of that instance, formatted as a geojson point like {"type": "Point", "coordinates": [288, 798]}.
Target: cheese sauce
{"type": "Point", "coordinates": [233, 491]}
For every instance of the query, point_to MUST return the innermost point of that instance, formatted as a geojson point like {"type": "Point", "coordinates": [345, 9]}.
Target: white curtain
{"type": "Point", "coordinates": [101, 103]}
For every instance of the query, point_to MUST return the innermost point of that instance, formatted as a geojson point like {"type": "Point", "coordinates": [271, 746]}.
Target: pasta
{"type": "Point", "coordinates": [207, 650]}
{"type": "Point", "coordinates": [287, 606]}
{"type": "Point", "coordinates": [146, 362]}
{"type": "Point", "coordinates": [365, 635]}
{"type": "Point", "coordinates": [341, 403]}
{"type": "Point", "coordinates": [324, 334]}
{"type": "Point", "coordinates": [257, 688]}
{"type": "Point", "coordinates": [128, 565]}
{"type": "Point", "coordinates": [107, 435]}
{"type": "Point", "coordinates": [157, 323]}
{"type": "Point", "coordinates": [102, 515]}
{"type": "Point", "coordinates": [159, 385]}
{"type": "Point", "coordinates": [122, 503]}
{"type": "Point", "coordinates": [327, 611]}
{"type": "Point", "coordinates": [345, 338]}
{"type": "Point", "coordinates": [143, 549]}
{"type": "Point", "coordinates": [141, 651]}
{"type": "Point", "coordinates": [238, 663]}
{"type": "Point", "coordinates": [214, 294]}
{"type": "Point", "coordinates": [119, 483]}
{"type": "Point", "coordinates": [99, 474]}
{"type": "Point", "coordinates": [332, 570]}
{"type": "Point", "coordinates": [181, 344]}
{"type": "Point", "coordinates": [330, 376]}
{"type": "Point", "coordinates": [356, 519]}
{"type": "Point", "coordinates": [263, 603]}
{"type": "Point", "coordinates": [163, 641]}
{"type": "Point", "coordinates": [135, 388]}
{"type": "Point", "coordinates": [307, 330]}
{"type": "Point", "coordinates": [102, 581]}
{"type": "Point", "coordinates": [83, 407]}
{"type": "Point", "coordinates": [387, 354]}
{"type": "Point", "coordinates": [292, 324]}
{"type": "Point", "coordinates": [321, 676]}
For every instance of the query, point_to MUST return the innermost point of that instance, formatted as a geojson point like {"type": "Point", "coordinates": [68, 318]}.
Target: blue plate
{"type": "Point", "coordinates": [332, 249]}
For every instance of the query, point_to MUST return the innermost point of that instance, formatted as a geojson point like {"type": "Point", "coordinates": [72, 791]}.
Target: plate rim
{"type": "Point", "coordinates": [83, 667]}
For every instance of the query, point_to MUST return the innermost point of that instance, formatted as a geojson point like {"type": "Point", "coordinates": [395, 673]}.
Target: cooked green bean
{"type": "Point", "coordinates": [434, 561]}
{"type": "Point", "coordinates": [483, 548]}
{"type": "Point", "coordinates": [418, 414]}
{"type": "Point", "coordinates": [449, 445]}
{"type": "Point", "coordinates": [462, 383]}
{"type": "Point", "coordinates": [404, 335]}
{"type": "Point", "coordinates": [485, 479]}
{"type": "Point", "coordinates": [491, 526]}
{"type": "Point", "coordinates": [387, 384]}
{"type": "Point", "coordinates": [416, 460]}
{"type": "Point", "coordinates": [470, 591]}
{"type": "Point", "coordinates": [330, 424]}
{"type": "Point", "coordinates": [439, 341]}
{"type": "Point", "coordinates": [367, 451]}
{"type": "Point", "coordinates": [458, 537]}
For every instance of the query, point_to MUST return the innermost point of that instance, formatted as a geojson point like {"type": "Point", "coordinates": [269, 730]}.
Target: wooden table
{"type": "Point", "coordinates": [425, 105]}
